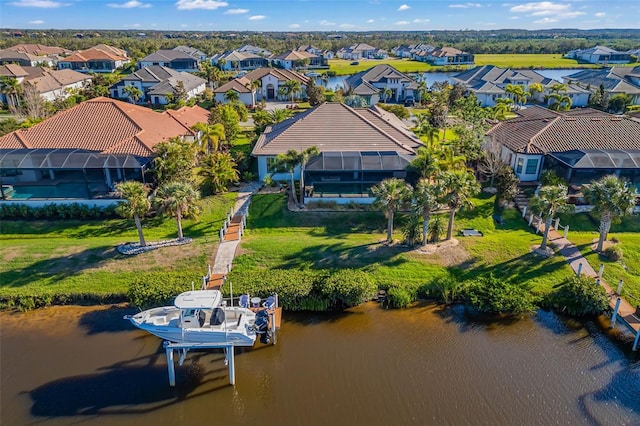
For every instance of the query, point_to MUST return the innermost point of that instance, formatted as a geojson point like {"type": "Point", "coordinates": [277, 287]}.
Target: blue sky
{"type": "Point", "coordinates": [317, 15]}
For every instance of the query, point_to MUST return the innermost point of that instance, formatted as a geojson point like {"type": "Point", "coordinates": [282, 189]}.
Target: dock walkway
{"type": "Point", "coordinates": [577, 262]}
{"type": "Point", "coordinates": [227, 248]}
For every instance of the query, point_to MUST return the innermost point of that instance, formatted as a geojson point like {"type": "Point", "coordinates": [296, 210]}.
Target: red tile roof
{"type": "Point", "coordinates": [107, 126]}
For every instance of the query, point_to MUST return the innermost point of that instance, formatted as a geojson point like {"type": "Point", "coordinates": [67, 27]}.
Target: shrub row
{"type": "Point", "coordinates": [56, 211]}
{"type": "Point", "coordinates": [29, 302]}
{"type": "Point", "coordinates": [151, 290]}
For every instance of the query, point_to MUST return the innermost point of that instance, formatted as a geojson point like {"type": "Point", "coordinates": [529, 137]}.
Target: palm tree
{"type": "Point", "coordinates": [457, 187]}
{"type": "Point", "coordinates": [612, 199]}
{"type": "Point", "coordinates": [211, 73]}
{"type": "Point", "coordinates": [287, 162]}
{"type": "Point", "coordinates": [279, 114]}
{"type": "Point", "coordinates": [519, 94]}
{"type": "Point", "coordinates": [391, 194]}
{"type": "Point", "coordinates": [550, 200]}
{"type": "Point", "coordinates": [231, 96]}
{"type": "Point", "coordinates": [422, 90]}
{"type": "Point", "coordinates": [254, 85]}
{"type": "Point", "coordinates": [561, 102]}
{"type": "Point", "coordinates": [502, 107]}
{"type": "Point", "coordinates": [426, 162]}
{"type": "Point", "coordinates": [303, 159]}
{"type": "Point", "coordinates": [426, 194]}
{"type": "Point", "coordinates": [431, 133]}
{"type": "Point", "coordinates": [11, 89]}
{"type": "Point", "coordinates": [179, 199]}
{"type": "Point", "coordinates": [210, 136]}
{"type": "Point", "coordinates": [535, 88]}
{"type": "Point", "coordinates": [220, 169]}
{"type": "Point", "coordinates": [291, 88]}
{"type": "Point", "coordinates": [325, 79]}
{"type": "Point", "coordinates": [386, 94]}
{"type": "Point", "coordinates": [449, 160]}
{"type": "Point", "coordinates": [136, 203]}
{"type": "Point", "coordinates": [133, 93]}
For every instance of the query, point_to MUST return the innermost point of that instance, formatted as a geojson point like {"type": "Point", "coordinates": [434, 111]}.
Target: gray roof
{"type": "Point", "coordinates": [614, 79]}
{"type": "Point", "coordinates": [152, 73]}
{"type": "Point", "coordinates": [335, 127]}
{"type": "Point", "coordinates": [164, 55]}
{"type": "Point", "coordinates": [539, 130]}
{"type": "Point", "coordinates": [378, 74]}
{"type": "Point", "coordinates": [169, 85]}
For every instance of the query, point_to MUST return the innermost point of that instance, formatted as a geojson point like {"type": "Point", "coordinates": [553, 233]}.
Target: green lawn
{"type": "Point", "coordinates": [344, 67]}
{"type": "Point", "coordinates": [79, 257]}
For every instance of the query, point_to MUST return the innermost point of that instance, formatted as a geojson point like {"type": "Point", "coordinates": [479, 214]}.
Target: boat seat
{"type": "Point", "coordinates": [245, 301]}
{"type": "Point", "coordinates": [269, 303]}
{"type": "Point", "coordinates": [217, 316]}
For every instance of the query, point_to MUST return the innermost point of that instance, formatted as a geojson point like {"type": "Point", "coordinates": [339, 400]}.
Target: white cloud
{"type": "Point", "coordinates": [130, 5]}
{"type": "Point", "coordinates": [294, 26]}
{"type": "Point", "coordinates": [371, 21]}
{"type": "Point", "coordinates": [200, 4]}
{"type": "Point", "coordinates": [514, 17]}
{"type": "Point", "coordinates": [404, 7]}
{"type": "Point", "coordinates": [37, 22]}
{"type": "Point", "coordinates": [547, 8]}
{"type": "Point", "coordinates": [236, 11]}
{"type": "Point", "coordinates": [347, 26]}
{"type": "Point", "coordinates": [545, 21]}
{"type": "Point", "coordinates": [256, 17]}
{"type": "Point", "coordinates": [400, 23]}
{"type": "Point", "coordinates": [600, 14]}
{"type": "Point", "coordinates": [326, 23]}
{"type": "Point", "coordinates": [420, 21]}
{"type": "Point", "coordinates": [45, 4]}
{"type": "Point", "coordinates": [465, 5]}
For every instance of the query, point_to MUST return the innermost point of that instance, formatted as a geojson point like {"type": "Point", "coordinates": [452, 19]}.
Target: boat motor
{"type": "Point", "coordinates": [262, 326]}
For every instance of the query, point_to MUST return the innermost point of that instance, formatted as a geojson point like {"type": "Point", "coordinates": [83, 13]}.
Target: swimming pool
{"type": "Point", "coordinates": [60, 190]}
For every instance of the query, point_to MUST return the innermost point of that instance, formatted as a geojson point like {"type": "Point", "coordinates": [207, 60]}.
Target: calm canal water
{"type": "Point", "coordinates": [369, 366]}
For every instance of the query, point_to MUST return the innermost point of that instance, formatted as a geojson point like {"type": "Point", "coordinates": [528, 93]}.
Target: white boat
{"type": "Point", "coordinates": [200, 316]}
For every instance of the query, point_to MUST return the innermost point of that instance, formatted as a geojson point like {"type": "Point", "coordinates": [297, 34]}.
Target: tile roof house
{"type": "Point", "coordinates": [361, 51]}
{"type": "Point", "coordinates": [445, 56]}
{"type": "Point", "coordinates": [171, 58]}
{"type": "Point", "coordinates": [294, 59]}
{"type": "Point", "coordinates": [409, 50]}
{"type": "Point", "coordinates": [8, 56]}
{"type": "Point", "coordinates": [614, 80]}
{"type": "Point", "coordinates": [489, 82]}
{"type": "Point", "coordinates": [240, 85]}
{"type": "Point", "coordinates": [193, 52]}
{"type": "Point", "coordinates": [96, 143]}
{"type": "Point", "coordinates": [40, 50]}
{"type": "Point", "coordinates": [271, 80]}
{"type": "Point", "coordinates": [370, 83]}
{"type": "Point", "coordinates": [237, 61]}
{"type": "Point", "coordinates": [50, 84]}
{"type": "Point", "coordinates": [359, 147]}
{"type": "Point", "coordinates": [580, 145]}
{"type": "Point", "coordinates": [156, 82]}
{"type": "Point", "coordinates": [100, 58]}
{"type": "Point", "coordinates": [600, 55]}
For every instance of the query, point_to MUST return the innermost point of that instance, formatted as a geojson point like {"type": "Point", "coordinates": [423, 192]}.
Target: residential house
{"type": "Point", "coordinates": [600, 55]}
{"type": "Point", "coordinates": [239, 61]}
{"type": "Point", "coordinates": [271, 81]}
{"type": "Point", "coordinates": [171, 58]}
{"type": "Point", "coordinates": [372, 83]}
{"type": "Point", "coordinates": [248, 48]}
{"type": "Point", "coordinates": [199, 55]}
{"type": "Point", "coordinates": [50, 84]}
{"type": "Point", "coordinates": [358, 149]}
{"type": "Point", "coordinates": [98, 59]}
{"type": "Point", "coordinates": [489, 83]}
{"type": "Point", "coordinates": [95, 144]}
{"type": "Point", "coordinates": [294, 59]}
{"type": "Point", "coordinates": [409, 50]}
{"type": "Point", "coordinates": [444, 56]}
{"type": "Point", "coordinates": [158, 84]}
{"type": "Point", "coordinates": [324, 54]}
{"type": "Point", "coordinates": [614, 81]}
{"type": "Point", "coordinates": [40, 50]}
{"type": "Point", "coordinates": [33, 55]}
{"type": "Point", "coordinates": [241, 85]}
{"type": "Point", "coordinates": [580, 145]}
{"type": "Point", "coordinates": [361, 51]}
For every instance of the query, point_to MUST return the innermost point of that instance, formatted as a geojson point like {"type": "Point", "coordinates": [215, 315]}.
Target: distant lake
{"type": "Point", "coordinates": [432, 77]}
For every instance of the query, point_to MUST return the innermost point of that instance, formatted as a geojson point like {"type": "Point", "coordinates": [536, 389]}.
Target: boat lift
{"type": "Point", "coordinates": [275, 314]}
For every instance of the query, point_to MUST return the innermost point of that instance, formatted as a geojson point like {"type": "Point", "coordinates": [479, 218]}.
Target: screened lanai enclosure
{"type": "Point", "coordinates": [583, 166]}
{"type": "Point", "coordinates": [65, 173]}
{"type": "Point", "coordinates": [352, 174]}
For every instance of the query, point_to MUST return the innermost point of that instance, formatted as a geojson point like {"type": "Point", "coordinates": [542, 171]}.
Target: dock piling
{"type": "Point", "coordinates": [614, 317]}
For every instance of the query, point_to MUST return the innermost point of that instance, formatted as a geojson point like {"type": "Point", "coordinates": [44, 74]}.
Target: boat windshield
{"type": "Point", "coordinates": [198, 299]}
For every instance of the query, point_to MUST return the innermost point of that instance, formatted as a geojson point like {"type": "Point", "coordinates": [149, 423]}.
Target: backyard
{"type": "Point", "coordinates": [71, 257]}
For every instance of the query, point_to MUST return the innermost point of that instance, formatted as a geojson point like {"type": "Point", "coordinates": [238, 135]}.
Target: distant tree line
{"type": "Point", "coordinates": [140, 43]}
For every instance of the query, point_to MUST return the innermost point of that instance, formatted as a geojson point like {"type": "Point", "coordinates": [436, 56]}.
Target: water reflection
{"type": "Point", "coordinates": [427, 364]}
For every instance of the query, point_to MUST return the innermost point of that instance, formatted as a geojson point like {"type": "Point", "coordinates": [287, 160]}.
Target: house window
{"type": "Point", "coordinates": [532, 166]}
{"type": "Point", "coordinates": [519, 165]}
{"type": "Point", "coordinates": [271, 164]}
